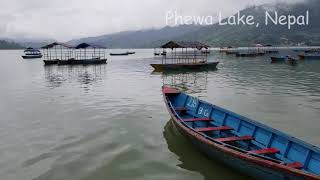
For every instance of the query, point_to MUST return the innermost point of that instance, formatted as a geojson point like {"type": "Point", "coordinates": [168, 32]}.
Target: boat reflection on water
{"type": "Point", "coordinates": [187, 81]}
{"type": "Point", "coordinates": [193, 160]}
{"type": "Point", "coordinates": [83, 76]}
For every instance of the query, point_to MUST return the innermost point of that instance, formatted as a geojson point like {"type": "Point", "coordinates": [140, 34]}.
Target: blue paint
{"type": "Point", "coordinates": [290, 149]}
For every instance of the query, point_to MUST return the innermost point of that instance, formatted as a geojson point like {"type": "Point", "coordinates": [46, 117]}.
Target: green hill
{"type": "Point", "coordinates": [9, 45]}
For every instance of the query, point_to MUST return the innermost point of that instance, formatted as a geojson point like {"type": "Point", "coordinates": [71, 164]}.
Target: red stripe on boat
{"type": "Point", "coordinates": [296, 165]}
{"type": "Point", "coordinates": [265, 151]}
{"type": "Point", "coordinates": [229, 139]}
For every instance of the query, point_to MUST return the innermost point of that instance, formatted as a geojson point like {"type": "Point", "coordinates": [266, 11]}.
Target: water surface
{"type": "Point", "coordinates": [109, 121]}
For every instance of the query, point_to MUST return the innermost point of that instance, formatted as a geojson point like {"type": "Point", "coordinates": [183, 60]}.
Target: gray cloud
{"type": "Point", "coordinates": [69, 19]}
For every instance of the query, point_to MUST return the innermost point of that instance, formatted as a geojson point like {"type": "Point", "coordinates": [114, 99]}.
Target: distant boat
{"type": "Point", "coordinates": [119, 54]}
{"type": "Point", "coordinates": [284, 59]}
{"type": "Point", "coordinates": [205, 52]}
{"type": "Point", "coordinates": [131, 52]}
{"type": "Point", "coordinates": [272, 51]}
{"type": "Point", "coordinates": [232, 52]}
{"type": "Point", "coordinates": [315, 56]}
{"type": "Point", "coordinates": [239, 142]}
{"type": "Point", "coordinates": [278, 59]}
{"type": "Point", "coordinates": [31, 53]}
{"type": "Point", "coordinates": [164, 53]}
{"type": "Point", "coordinates": [249, 54]}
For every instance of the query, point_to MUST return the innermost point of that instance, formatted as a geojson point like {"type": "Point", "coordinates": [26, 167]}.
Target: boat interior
{"type": "Point", "coordinates": [242, 134]}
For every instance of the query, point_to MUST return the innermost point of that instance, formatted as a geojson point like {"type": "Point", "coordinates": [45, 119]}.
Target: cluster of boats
{"type": "Point", "coordinates": [64, 54]}
{"type": "Point", "coordinates": [260, 50]}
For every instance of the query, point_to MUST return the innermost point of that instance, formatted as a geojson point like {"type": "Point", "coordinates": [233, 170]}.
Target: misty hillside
{"type": "Point", "coordinates": [9, 45]}
{"type": "Point", "coordinates": [138, 39]}
{"type": "Point", "coordinates": [217, 35]}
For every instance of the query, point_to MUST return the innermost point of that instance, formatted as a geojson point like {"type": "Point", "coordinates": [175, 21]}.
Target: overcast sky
{"type": "Point", "coordinates": [67, 19]}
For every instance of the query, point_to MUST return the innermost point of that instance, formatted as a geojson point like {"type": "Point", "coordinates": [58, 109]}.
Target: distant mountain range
{"type": "Point", "coordinates": [27, 42]}
{"type": "Point", "coordinates": [227, 35]}
{"type": "Point", "coordinates": [9, 45]}
{"type": "Point", "coordinates": [139, 39]}
{"type": "Point", "coordinates": [217, 35]}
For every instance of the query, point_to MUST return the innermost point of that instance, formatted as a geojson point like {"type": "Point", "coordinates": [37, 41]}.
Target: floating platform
{"type": "Point", "coordinates": [249, 54]}
{"type": "Point", "coordinates": [75, 62]}
{"type": "Point", "coordinates": [188, 66]}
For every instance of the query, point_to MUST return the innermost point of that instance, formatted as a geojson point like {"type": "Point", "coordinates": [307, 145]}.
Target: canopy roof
{"type": "Point", "coordinates": [185, 44]}
{"type": "Point", "coordinates": [86, 45]}
{"type": "Point", "coordinates": [49, 46]}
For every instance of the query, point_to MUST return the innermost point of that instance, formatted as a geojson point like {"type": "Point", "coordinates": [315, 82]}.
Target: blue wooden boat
{"type": "Point", "coordinates": [241, 143]}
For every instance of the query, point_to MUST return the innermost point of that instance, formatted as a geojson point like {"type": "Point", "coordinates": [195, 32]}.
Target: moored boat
{"type": "Point", "coordinates": [186, 66]}
{"type": "Point", "coordinates": [315, 56]}
{"type": "Point", "coordinates": [119, 54]}
{"type": "Point", "coordinates": [272, 51]}
{"type": "Point", "coordinates": [31, 53]}
{"type": "Point", "coordinates": [247, 54]}
{"type": "Point", "coordinates": [275, 59]}
{"type": "Point", "coordinates": [131, 52]}
{"type": "Point", "coordinates": [241, 143]}
{"type": "Point", "coordinates": [185, 56]}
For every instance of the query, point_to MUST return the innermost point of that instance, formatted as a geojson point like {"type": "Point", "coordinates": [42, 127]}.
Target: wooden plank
{"type": "Point", "coordinates": [196, 119]}
{"type": "Point", "coordinates": [219, 128]}
{"type": "Point", "coordinates": [230, 139]}
{"type": "Point", "coordinates": [265, 151]}
{"type": "Point", "coordinates": [296, 165]}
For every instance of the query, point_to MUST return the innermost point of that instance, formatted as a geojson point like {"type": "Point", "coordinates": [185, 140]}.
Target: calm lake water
{"type": "Point", "coordinates": [109, 121]}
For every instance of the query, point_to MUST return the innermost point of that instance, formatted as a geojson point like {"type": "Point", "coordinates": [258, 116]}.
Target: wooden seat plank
{"type": "Point", "coordinates": [236, 138]}
{"type": "Point", "coordinates": [265, 151]}
{"type": "Point", "coordinates": [219, 128]}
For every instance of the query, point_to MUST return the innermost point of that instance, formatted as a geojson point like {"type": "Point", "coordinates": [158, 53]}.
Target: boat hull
{"type": "Point", "coordinates": [75, 62]}
{"type": "Point", "coordinates": [310, 57]}
{"type": "Point", "coordinates": [233, 160]}
{"type": "Point", "coordinates": [50, 62]}
{"type": "Point", "coordinates": [195, 66]}
{"type": "Point", "coordinates": [83, 62]}
{"type": "Point", "coordinates": [250, 54]}
{"type": "Point", "coordinates": [277, 59]}
{"type": "Point", "coordinates": [119, 54]}
{"type": "Point", "coordinates": [32, 57]}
